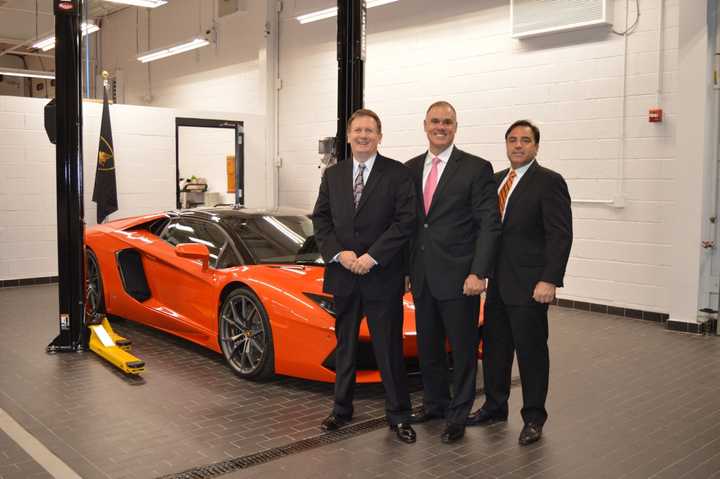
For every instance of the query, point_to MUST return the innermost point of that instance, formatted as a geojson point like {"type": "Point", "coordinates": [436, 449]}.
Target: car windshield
{"type": "Point", "coordinates": [278, 239]}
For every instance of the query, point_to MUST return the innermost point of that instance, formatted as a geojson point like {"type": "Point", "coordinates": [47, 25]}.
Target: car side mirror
{"type": "Point", "coordinates": [194, 251]}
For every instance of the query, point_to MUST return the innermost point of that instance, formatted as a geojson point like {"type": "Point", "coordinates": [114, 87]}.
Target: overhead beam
{"type": "Point", "coordinates": [25, 10]}
{"type": "Point", "coordinates": [22, 44]}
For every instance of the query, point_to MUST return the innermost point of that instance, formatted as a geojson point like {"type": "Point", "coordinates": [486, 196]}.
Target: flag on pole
{"type": "Point", "coordinates": [105, 190]}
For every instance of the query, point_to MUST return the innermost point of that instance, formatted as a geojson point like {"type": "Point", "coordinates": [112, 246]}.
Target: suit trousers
{"type": "Point", "coordinates": [456, 320]}
{"type": "Point", "coordinates": [384, 319]}
{"type": "Point", "coordinates": [521, 329]}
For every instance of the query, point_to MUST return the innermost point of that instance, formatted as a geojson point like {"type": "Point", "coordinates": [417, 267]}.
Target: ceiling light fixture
{"type": "Point", "coordinates": [48, 43]}
{"type": "Point", "coordinates": [16, 72]}
{"type": "Point", "coordinates": [152, 55]}
{"type": "Point", "coordinates": [141, 3]}
{"type": "Point", "coordinates": [331, 12]}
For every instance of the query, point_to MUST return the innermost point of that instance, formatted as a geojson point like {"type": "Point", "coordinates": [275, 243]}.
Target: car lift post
{"type": "Point", "coordinates": [69, 181]}
{"type": "Point", "coordinates": [65, 130]}
{"type": "Point", "coordinates": [351, 21]}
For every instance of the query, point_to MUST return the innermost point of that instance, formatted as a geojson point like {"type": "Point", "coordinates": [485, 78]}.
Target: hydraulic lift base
{"type": "Point", "coordinates": [113, 348]}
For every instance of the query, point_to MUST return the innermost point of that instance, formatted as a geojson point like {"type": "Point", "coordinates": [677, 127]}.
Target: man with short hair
{"type": "Point", "coordinates": [534, 205]}
{"type": "Point", "coordinates": [363, 217]}
{"type": "Point", "coordinates": [452, 256]}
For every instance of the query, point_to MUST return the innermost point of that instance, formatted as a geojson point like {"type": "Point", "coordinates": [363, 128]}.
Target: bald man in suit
{"type": "Point", "coordinates": [453, 253]}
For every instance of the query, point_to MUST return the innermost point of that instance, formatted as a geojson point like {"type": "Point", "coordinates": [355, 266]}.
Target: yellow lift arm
{"type": "Point", "coordinates": [113, 348]}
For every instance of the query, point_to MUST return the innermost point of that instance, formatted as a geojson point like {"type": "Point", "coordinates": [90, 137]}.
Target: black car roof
{"type": "Point", "coordinates": [224, 212]}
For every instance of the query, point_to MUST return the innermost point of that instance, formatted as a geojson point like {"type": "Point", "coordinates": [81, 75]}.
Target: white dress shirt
{"type": "Point", "coordinates": [368, 167]}
{"type": "Point", "coordinates": [444, 157]}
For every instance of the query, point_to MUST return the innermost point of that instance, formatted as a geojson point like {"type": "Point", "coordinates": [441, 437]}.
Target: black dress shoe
{"type": "Point", "coordinates": [483, 418]}
{"type": "Point", "coordinates": [333, 423]}
{"type": "Point", "coordinates": [404, 432]}
{"type": "Point", "coordinates": [423, 416]}
{"type": "Point", "coordinates": [453, 432]}
{"type": "Point", "coordinates": [530, 433]}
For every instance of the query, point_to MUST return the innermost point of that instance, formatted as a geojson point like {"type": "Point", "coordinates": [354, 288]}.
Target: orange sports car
{"type": "Point", "coordinates": [244, 283]}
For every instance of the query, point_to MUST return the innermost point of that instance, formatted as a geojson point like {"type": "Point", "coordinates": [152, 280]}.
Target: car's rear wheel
{"type": "Point", "coordinates": [245, 335]}
{"type": "Point", "coordinates": [95, 299]}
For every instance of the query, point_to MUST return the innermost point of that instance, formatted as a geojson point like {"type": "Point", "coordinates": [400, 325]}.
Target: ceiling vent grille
{"type": "Point", "coordinates": [537, 17]}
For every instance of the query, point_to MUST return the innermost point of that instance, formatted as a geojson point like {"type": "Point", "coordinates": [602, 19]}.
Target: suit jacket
{"type": "Point", "coordinates": [460, 232]}
{"type": "Point", "coordinates": [380, 226]}
{"type": "Point", "coordinates": [536, 238]}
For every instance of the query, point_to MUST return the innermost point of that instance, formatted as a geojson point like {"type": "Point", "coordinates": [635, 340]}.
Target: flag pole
{"type": "Point", "coordinates": [105, 189]}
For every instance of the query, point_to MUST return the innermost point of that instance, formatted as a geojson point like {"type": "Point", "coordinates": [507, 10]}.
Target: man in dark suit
{"type": "Point", "coordinates": [363, 217]}
{"type": "Point", "coordinates": [537, 234]}
{"type": "Point", "coordinates": [452, 256]}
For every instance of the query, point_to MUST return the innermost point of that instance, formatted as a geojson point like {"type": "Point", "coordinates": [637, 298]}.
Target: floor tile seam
{"type": "Point", "coordinates": [701, 465]}
{"type": "Point", "coordinates": [35, 449]}
{"type": "Point", "coordinates": [46, 429]}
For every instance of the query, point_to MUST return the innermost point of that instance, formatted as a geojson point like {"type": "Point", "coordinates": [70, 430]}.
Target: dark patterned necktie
{"type": "Point", "coordinates": [359, 184]}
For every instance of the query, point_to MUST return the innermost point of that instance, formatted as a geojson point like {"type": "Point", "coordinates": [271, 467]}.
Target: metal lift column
{"type": "Point", "coordinates": [352, 18]}
{"type": "Point", "coordinates": [69, 164]}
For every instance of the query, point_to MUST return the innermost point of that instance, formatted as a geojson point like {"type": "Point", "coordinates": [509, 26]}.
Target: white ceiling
{"type": "Point", "coordinates": [22, 21]}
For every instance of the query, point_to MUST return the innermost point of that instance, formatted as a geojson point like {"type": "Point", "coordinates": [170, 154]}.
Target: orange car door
{"type": "Point", "coordinates": [186, 292]}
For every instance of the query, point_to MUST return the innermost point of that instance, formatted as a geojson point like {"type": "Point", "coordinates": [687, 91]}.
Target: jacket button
{"type": "Point", "coordinates": [422, 247]}
{"type": "Point", "coordinates": [357, 234]}
{"type": "Point", "coordinates": [425, 225]}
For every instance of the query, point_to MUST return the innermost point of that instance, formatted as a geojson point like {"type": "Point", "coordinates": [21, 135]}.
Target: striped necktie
{"type": "Point", "coordinates": [504, 192]}
{"type": "Point", "coordinates": [359, 184]}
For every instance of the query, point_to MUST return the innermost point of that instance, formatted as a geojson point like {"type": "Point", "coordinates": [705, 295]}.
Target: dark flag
{"type": "Point", "coordinates": [105, 190]}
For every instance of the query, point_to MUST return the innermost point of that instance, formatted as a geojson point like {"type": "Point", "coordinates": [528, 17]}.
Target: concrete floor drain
{"type": "Point", "coordinates": [255, 459]}
{"type": "Point", "coordinates": [224, 467]}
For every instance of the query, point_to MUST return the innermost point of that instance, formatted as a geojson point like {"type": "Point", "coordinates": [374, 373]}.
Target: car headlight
{"type": "Point", "coordinates": [325, 302]}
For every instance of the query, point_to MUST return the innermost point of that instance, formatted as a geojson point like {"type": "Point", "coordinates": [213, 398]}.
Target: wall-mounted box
{"type": "Point", "coordinates": [530, 18]}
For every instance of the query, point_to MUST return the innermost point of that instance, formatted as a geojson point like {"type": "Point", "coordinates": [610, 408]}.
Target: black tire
{"type": "Point", "coordinates": [245, 336]}
{"type": "Point", "coordinates": [95, 303]}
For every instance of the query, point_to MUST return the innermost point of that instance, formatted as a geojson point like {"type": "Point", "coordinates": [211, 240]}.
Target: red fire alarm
{"type": "Point", "coordinates": [655, 115]}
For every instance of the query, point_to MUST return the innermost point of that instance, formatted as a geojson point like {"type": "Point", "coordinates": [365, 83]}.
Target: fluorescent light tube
{"type": "Point", "coordinates": [45, 44]}
{"type": "Point", "coordinates": [377, 3]}
{"type": "Point", "coordinates": [16, 72]}
{"type": "Point", "coordinates": [331, 12]}
{"type": "Point", "coordinates": [141, 3]}
{"type": "Point", "coordinates": [48, 43]}
{"type": "Point", "coordinates": [174, 50]}
{"type": "Point", "coordinates": [319, 15]}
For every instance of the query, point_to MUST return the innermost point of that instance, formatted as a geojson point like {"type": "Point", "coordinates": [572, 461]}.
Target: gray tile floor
{"type": "Point", "coordinates": [627, 399]}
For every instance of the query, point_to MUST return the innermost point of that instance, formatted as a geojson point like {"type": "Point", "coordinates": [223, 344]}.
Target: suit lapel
{"type": "Point", "coordinates": [347, 181]}
{"type": "Point", "coordinates": [520, 189]}
{"type": "Point", "coordinates": [373, 179]}
{"type": "Point", "coordinates": [416, 167]}
{"type": "Point", "coordinates": [452, 165]}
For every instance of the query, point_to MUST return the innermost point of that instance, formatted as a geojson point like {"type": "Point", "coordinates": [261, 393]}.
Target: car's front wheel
{"type": "Point", "coordinates": [245, 335]}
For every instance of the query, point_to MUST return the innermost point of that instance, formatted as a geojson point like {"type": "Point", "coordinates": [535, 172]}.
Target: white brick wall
{"type": "Point", "coordinates": [569, 83]}
{"type": "Point", "coordinates": [144, 141]}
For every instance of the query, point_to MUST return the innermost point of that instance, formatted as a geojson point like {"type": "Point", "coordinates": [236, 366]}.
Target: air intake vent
{"type": "Point", "coordinates": [537, 17]}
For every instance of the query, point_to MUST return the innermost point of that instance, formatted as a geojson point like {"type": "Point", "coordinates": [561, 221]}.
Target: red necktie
{"type": "Point", "coordinates": [431, 184]}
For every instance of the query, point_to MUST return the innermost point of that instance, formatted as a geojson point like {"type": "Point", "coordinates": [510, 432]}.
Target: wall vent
{"type": "Point", "coordinates": [538, 17]}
